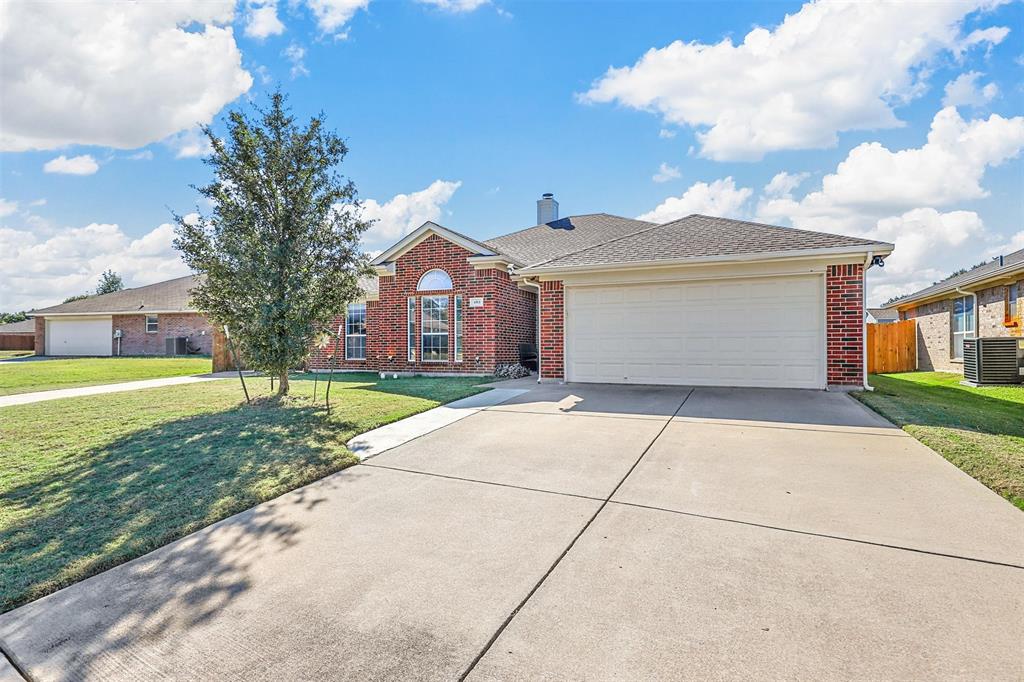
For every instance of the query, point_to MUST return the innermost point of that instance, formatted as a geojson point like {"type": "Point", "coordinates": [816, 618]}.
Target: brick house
{"type": "Point", "coordinates": [696, 301]}
{"type": "Point", "coordinates": [983, 302]}
{"type": "Point", "coordinates": [128, 322]}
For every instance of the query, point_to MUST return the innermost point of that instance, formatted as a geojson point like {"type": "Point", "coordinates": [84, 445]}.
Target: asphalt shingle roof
{"type": "Point", "coordinates": [169, 296]}
{"type": "Point", "coordinates": [564, 236]}
{"type": "Point", "coordinates": [23, 327]}
{"type": "Point", "coordinates": [1015, 258]}
{"type": "Point", "coordinates": [697, 236]}
{"type": "Point", "coordinates": [884, 314]}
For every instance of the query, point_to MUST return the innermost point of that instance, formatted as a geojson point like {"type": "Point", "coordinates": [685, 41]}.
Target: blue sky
{"type": "Point", "coordinates": [465, 112]}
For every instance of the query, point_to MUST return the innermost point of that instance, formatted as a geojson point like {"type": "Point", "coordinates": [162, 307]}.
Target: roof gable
{"type": "Point", "coordinates": [701, 237]}
{"type": "Point", "coordinates": [425, 230]}
{"type": "Point", "coordinates": [1011, 263]}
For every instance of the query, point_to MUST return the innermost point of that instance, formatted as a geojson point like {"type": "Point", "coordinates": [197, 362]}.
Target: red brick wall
{"type": "Point", "coordinates": [40, 335]}
{"type": "Point", "coordinates": [844, 314]}
{"type": "Point", "coordinates": [552, 330]}
{"type": "Point", "coordinates": [136, 341]}
{"type": "Point", "coordinates": [491, 333]}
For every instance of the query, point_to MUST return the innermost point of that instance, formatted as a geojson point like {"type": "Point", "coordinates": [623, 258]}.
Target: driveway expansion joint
{"type": "Point", "coordinates": [825, 536]}
{"type": "Point", "coordinates": [477, 480]}
{"type": "Point", "coordinates": [572, 543]}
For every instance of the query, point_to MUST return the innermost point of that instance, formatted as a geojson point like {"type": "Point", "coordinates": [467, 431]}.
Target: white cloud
{"type": "Point", "coordinates": [897, 196]}
{"type": "Point", "coordinates": [144, 155]}
{"type": "Point", "coordinates": [190, 144]}
{"type": "Point", "coordinates": [832, 66]}
{"type": "Point", "coordinates": [874, 182]}
{"type": "Point", "coordinates": [964, 91]}
{"type": "Point", "coordinates": [76, 165]}
{"type": "Point", "coordinates": [333, 15]}
{"type": "Point", "coordinates": [719, 198]}
{"type": "Point", "coordinates": [7, 207]}
{"type": "Point", "coordinates": [666, 173]}
{"type": "Point", "coordinates": [403, 213]}
{"type": "Point", "coordinates": [261, 19]}
{"type": "Point", "coordinates": [37, 272]}
{"type": "Point", "coordinates": [296, 54]}
{"type": "Point", "coordinates": [114, 74]}
{"type": "Point", "coordinates": [666, 134]}
{"type": "Point", "coordinates": [455, 5]}
{"type": "Point", "coordinates": [783, 184]}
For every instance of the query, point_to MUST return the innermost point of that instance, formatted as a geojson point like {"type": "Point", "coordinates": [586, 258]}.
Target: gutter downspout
{"type": "Point", "coordinates": [864, 318]}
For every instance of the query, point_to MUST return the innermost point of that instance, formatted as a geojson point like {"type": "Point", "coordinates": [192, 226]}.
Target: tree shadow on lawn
{"type": "Point", "coordinates": [140, 491]}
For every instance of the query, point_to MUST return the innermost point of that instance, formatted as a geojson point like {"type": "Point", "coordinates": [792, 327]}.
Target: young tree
{"type": "Point", "coordinates": [110, 281]}
{"type": "Point", "coordinates": [280, 250]}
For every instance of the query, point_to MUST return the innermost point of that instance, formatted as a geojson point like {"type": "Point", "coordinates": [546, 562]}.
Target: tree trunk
{"type": "Point", "coordinates": [282, 383]}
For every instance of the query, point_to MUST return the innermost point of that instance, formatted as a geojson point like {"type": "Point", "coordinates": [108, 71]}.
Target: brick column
{"type": "Point", "coordinates": [40, 335]}
{"type": "Point", "coordinates": [552, 330]}
{"type": "Point", "coordinates": [844, 313]}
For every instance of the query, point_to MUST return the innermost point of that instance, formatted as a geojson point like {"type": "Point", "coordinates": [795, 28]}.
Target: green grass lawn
{"type": "Point", "coordinates": [44, 375]}
{"type": "Point", "coordinates": [981, 430]}
{"type": "Point", "coordinates": [88, 483]}
{"type": "Point", "coordinates": [8, 354]}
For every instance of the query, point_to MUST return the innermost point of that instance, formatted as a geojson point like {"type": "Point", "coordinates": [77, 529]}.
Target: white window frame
{"type": "Point", "coordinates": [153, 320]}
{"type": "Point", "coordinates": [1012, 293]}
{"type": "Point", "coordinates": [968, 324]}
{"type": "Point", "coordinates": [411, 309]}
{"type": "Point", "coordinates": [423, 328]}
{"type": "Point", "coordinates": [459, 324]}
{"type": "Point", "coordinates": [350, 335]}
{"type": "Point", "coordinates": [429, 276]}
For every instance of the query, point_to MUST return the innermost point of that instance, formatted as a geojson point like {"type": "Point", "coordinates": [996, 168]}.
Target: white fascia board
{"type": "Point", "coordinates": [488, 262]}
{"type": "Point", "coordinates": [424, 231]}
{"type": "Point", "coordinates": [880, 249]}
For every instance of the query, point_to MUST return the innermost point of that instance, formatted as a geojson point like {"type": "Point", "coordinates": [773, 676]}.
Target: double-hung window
{"type": "Point", "coordinates": [1012, 293]}
{"type": "Point", "coordinates": [152, 324]}
{"type": "Point", "coordinates": [355, 332]}
{"type": "Point", "coordinates": [434, 331]}
{"type": "Point", "coordinates": [963, 324]}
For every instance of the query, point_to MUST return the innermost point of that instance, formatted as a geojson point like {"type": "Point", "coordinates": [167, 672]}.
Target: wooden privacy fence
{"type": "Point", "coordinates": [17, 341]}
{"type": "Point", "coordinates": [892, 347]}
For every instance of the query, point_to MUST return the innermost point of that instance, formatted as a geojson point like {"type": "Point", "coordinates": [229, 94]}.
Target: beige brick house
{"type": "Point", "coordinates": [983, 302]}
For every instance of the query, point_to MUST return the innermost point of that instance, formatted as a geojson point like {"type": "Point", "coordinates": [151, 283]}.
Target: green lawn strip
{"type": "Point", "coordinates": [8, 354]}
{"type": "Point", "coordinates": [88, 483]}
{"type": "Point", "coordinates": [44, 375]}
{"type": "Point", "coordinates": [980, 430]}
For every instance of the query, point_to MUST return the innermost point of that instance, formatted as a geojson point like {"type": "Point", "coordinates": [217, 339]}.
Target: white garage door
{"type": "Point", "coordinates": [756, 332]}
{"type": "Point", "coordinates": [79, 336]}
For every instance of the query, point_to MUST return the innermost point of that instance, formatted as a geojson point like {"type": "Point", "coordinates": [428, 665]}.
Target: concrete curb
{"type": "Point", "coordinates": [398, 433]}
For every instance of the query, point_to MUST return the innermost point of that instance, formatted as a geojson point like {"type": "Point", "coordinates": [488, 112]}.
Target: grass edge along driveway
{"type": "Point", "coordinates": [89, 483]}
{"type": "Point", "coordinates": [980, 430]}
{"type": "Point", "coordinates": [29, 376]}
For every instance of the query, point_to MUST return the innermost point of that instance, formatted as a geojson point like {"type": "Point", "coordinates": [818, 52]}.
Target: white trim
{"type": "Point", "coordinates": [419, 282]}
{"type": "Point", "coordinates": [156, 318]}
{"type": "Point", "coordinates": [881, 249]}
{"type": "Point", "coordinates": [458, 323]}
{"type": "Point", "coordinates": [489, 262]}
{"type": "Point", "coordinates": [410, 329]}
{"type": "Point", "coordinates": [422, 232]}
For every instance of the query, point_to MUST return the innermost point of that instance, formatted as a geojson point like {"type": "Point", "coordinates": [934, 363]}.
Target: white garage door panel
{"type": "Point", "coordinates": [79, 336]}
{"type": "Point", "coordinates": [757, 332]}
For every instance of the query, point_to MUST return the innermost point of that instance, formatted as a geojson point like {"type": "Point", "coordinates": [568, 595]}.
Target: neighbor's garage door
{"type": "Point", "coordinates": [78, 336]}
{"type": "Point", "coordinates": [757, 332]}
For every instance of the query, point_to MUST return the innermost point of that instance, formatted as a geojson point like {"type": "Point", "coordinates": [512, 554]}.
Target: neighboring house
{"type": "Point", "coordinates": [982, 302]}
{"type": "Point", "coordinates": [697, 301]}
{"type": "Point", "coordinates": [128, 322]}
{"type": "Point", "coordinates": [882, 315]}
{"type": "Point", "coordinates": [18, 335]}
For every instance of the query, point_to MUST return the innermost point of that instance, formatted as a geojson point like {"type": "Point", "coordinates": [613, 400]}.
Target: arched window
{"type": "Point", "coordinates": [434, 280]}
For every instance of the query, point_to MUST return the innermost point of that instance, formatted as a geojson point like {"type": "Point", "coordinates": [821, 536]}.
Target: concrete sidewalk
{"type": "Point", "coordinates": [58, 393]}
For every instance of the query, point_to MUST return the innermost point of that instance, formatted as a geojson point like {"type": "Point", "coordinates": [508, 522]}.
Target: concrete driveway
{"type": "Point", "coordinates": [580, 532]}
